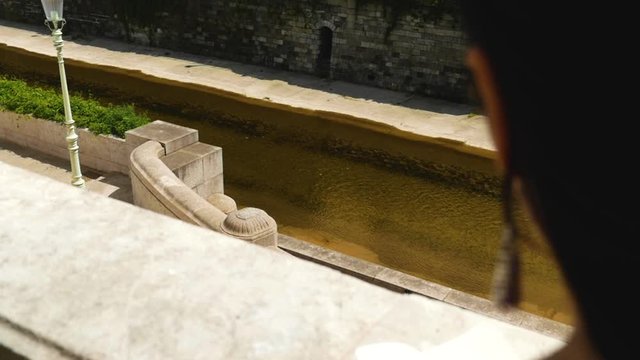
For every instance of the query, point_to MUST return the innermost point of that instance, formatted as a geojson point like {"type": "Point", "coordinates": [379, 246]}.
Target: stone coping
{"type": "Point", "coordinates": [401, 282]}
{"type": "Point", "coordinates": [84, 276]}
{"type": "Point", "coordinates": [160, 183]}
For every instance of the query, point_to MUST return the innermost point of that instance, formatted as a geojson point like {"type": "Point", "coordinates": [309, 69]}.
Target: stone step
{"type": "Point", "coordinates": [199, 166]}
{"type": "Point", "coordinates": [172, 137]}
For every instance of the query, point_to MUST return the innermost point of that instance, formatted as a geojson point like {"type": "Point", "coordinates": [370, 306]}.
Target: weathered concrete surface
{"type": "Point", "coordinates": [373, 108]}
{"type": "Point", "coordinates": [87, 277]}
{"type": "Point", "coordinates": [114, 185]}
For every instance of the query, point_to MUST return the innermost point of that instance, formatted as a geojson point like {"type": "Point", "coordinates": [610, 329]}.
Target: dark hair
{"type": "Point", "coordinates": [559, 71]}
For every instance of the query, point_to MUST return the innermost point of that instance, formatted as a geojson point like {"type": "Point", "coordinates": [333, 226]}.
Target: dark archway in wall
{"type": "Point", "coordinates": [323, 63]}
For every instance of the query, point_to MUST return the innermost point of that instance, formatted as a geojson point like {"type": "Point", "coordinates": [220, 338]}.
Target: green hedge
{"type": "Point", "coordinates": [22, 98]}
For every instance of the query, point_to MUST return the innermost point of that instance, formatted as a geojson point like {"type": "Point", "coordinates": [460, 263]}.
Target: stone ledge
{"type": "Point", "coordinates": [106, 280]}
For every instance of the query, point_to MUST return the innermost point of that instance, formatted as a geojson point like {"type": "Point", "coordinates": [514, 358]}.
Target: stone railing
{"type": "Point", "coordinates": [175, 175]}
{"type": "Point", "coordinates": [156, 188]}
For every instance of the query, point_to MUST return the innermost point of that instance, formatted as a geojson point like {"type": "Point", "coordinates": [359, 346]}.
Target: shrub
{"type": "Point", "coordinates": [44, 103]}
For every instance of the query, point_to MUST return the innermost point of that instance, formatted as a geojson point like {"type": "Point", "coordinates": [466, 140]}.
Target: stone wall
{"type": "Point", "coordinates": [414, 54]}
{"type": "Point", "coordinates": [99, 152]}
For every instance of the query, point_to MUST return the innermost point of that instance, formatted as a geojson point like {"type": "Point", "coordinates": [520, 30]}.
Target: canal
{"type": "Point", "coordinates": [418, 208]}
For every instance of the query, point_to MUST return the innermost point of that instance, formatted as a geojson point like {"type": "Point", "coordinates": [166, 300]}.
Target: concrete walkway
{"type": "Point", "coordinates": [417, 117]}
{"type": "Point", "coordinates": [113, 185]}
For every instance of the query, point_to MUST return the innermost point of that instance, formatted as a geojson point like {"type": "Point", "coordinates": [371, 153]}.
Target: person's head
{"type": "Point", "coordinates": [550, 79]}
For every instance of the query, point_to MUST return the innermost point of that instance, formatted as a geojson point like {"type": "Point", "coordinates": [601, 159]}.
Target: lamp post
{"type": "Point", "coordinates": [55, 22]}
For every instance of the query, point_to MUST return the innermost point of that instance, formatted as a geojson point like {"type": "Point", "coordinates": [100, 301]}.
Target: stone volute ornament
{"type": "Point", "coordinates": [252, 224]}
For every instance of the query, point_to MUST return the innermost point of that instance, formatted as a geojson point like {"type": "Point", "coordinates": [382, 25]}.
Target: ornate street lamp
{"type": "Point", "coordinates": [55, 22]}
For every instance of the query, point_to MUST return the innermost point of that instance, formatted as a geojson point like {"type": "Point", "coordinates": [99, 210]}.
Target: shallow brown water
{"type": "Point", "coordinates": [419, 222]}
{"type": "Point", "coordinates": [439, 232]}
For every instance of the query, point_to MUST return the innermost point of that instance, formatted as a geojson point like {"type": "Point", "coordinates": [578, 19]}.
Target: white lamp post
{"type": "Point", "coordinates": [55, 22]}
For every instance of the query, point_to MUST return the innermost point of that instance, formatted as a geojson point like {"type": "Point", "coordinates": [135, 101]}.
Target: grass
{"type": "Point", "coordinates": [45, 103]}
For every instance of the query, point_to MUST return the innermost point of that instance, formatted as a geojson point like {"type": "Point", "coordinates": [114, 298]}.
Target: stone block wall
{"type": "Point", "coordinates": [99, 152]}
{"type": "Point", "coordinates": [414, 54]}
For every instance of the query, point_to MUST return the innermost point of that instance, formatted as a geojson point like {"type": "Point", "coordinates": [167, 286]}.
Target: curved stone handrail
{"type": "Point", "coordinates": [156, 188]}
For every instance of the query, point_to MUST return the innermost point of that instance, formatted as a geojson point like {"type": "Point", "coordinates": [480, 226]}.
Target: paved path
{"type": "Point", "coordinates": [116, 186]}
{"type": "Point", "coordinates": [415, 116]}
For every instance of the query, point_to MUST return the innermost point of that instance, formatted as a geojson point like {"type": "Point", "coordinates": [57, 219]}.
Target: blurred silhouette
{"type": "Point", "coordinates": [553, 80]}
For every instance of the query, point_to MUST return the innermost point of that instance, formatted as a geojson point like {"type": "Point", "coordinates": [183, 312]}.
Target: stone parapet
{"type": "Point", "coordinates": [155, 187]}
{"type": "Point", "coordinates": [106, 280]}
{"type": "Point", "coordinates": [174, 175]}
